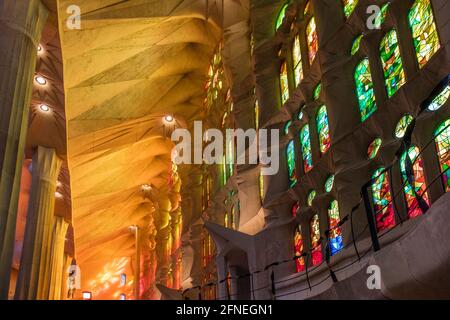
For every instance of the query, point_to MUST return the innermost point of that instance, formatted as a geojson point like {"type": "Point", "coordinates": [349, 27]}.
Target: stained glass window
{"type": "Point", "coordinates": [290, 155]}
{"type": "Point", "coordinates": [381, 17]}
{"type": "Point", "coordinates": [317, 91]}
{"type": "Point", "coordinates": [230, 157]}
{"type": "Point", "coordinates": [349, 7]}
{"type": "Point", "coordinates": [287, 126]}
{"type": "Point", "coordinates": [311, 197]}
{"type": "Point", "coordinates": [298, 244]}
{"type": "Point", "coordinates": [394, 75]}
{"type": "Point", "coordinates": [215, 80]}
{"type": "Point", "coordinates": [284, 83]}
{"type": "Point", "coordinates": [418, 186]}
{"type": "Point", "coordinates": [281, 16]}
{"type": "Point", "coordinates": [305, 141]}
{"type": "Point", "coordinates": [233, 218]}
{"type": "Point", "coordinates": [364, 90]}
{"type": "Point", "coordinates": [382, 200]}
{"type": "Point", "coordinates": [403, 125]}
{"type": "Point", "coordinates": [336, 243]}
{"type": "Point", "coordinates": [307, 9]}
{"type": "Point", "coordinates": [297, 59]}
{"type": "Point", "coordinates": [226, 221]}
{"type": "Point", "coordinates": [300, 114]}
{"type": "Point", "coordinates": [424, 32]}
{"type": "Point", "coordinates": [312, 39]}
{"type": "Point", "coordinates": [323, 129]}
{"type": "Point", "coordinates": [329, 183]}
{"type": "Point", "coordinates": [374, 147]}
{"type": "Point", "coordinates": [356, 44]}
{"type": "Point", "coordinates": [442, 138]}
{"type": "Point", "coordinates": [440, 99]}
{"type": "Point", "coordinates": [261, 186]}
{"type": "Point", "coordinates": [294, 209]}
{"type": "Point", "coordinates": [316, 245]}
{"type": "Point", "coordinates": [224, 171]}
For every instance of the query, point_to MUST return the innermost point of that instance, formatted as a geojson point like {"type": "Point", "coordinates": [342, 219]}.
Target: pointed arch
{"type": "Point", "coordinates": [364, 90]}
{"type": "Point", "coordinates": [394, 75]}
{"type": "Point", "coordinates": [323, 129]}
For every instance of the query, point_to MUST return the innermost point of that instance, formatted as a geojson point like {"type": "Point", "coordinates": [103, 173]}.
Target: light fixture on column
{"type": "Point", "coordinates": [40, 80]}
{"type": "Point", "coordinates": [132, 228]}
{"type": "Point", "coordinates": [58, 195]}
{"type": "Point", "coordinates": [146, 188]}
{"type": "Point", "coordinates": [169, 118]}
{"type": "Point", "coordinates": [44, 108]}
{"type": "Point", "coordinates": [40, 49]}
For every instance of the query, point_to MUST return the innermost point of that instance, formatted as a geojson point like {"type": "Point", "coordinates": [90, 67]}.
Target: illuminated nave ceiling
{"type": "Point", "coordinates": [131, 63]}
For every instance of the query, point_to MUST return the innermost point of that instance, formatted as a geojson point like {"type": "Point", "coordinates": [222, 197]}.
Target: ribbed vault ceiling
{"type": "Point", "coordinates": [131, 63]}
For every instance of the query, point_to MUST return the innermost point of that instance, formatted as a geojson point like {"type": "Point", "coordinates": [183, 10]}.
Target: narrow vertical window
{"type": "Point", "coordinates": [312, 39]}
{"type": "Point", "coordinates": [284, 83]}
{"type": "Point", "coordinates": [382, 200]}
{"type": "Point", "coordinates": [364, 90]}
{"type": "Point", "coordinates": [414, 182]}
{"type": "Point", "coordinates": [394, 75]}
{"type": "Point", "coordinates": [323, 129]}
{"type": "Point", "coordinates": [424, 31]}
{"type": "Point", "coordinates": [290, 155]}
{"type": "Point", "coordinates": [305, 141]}
{"type": "Point", "coordinates": [336, 243]}
{"type": "Point", "coordinates": [298, 245]}
{"type": "Point", "coordinates": [316, 245]}
{"type": "Point", "coordinates": [297, 59]}
{"type": "Point", "coordinates": [442, 138]}
{"type": "Point", "coordinates": [280, 17]}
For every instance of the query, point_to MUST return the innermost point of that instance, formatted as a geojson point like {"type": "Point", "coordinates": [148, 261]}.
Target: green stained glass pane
{"type": "Point", "coordinates": [287, 126]}
{"type": "Point", "coordinates": [317, 91]}
{"type": "Point", "coordinates": [311, 197]}
{"type": "Point", "coordinates": [323, 129]}
{"type": "Point", "coordinates": [403, 125]}
{"type": "Point", "coordinates": [440, 99]}
{"type": "Point", "coordinates": [356, 44]}
{"type": "Point", "coordinates": [281, 16]}
{"type": "Point", "coordinates": [418, 186]}
{"type": "Point", "coordinates": [349, 7]}
{"type": "Point", "coordinates": [312, 39]}
{"type": "Point", "coordinates": [374, 147]}
{"type": "Point", "coordinates": [329, 183]}
{"type": "Point", "coordinates": [305, 142]}
{"type": "Point", "coordinates": [381, 17]}
{"type": "Point", "coordinates": [364, 90]}
{"type": "Point", "coordinates": [290, 155]}
{"type": "Point", "coordinates": [284, 83]}
{"type": "Point", "coordinates": [297, 59]}
{"type": "Point", "coordinates": [300, 115]}
{"type": "Point", "coordinates": [391, 61]}
{"type": "Point", "coordinates": [382, 200]}
{"type": "Point", "coordinates": [442, 139]}
{"type": "Point", "coordinates": [424, 32]}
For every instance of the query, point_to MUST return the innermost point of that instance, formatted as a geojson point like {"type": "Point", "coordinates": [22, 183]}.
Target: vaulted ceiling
{"type": "Point", "coordinates": [131, 63]}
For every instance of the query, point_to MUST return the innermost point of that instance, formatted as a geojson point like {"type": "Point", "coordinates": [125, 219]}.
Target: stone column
{"type": "Point", "coordinates": [162, 239]}
{"type": "Point", "coordinates": [137, 263]}
{"type": "Point", "coordinates": [37, 248]}
{"type": "Point", "coordinates": [54, 278]}
{"type": "Point", "coordinates": [21, 23]}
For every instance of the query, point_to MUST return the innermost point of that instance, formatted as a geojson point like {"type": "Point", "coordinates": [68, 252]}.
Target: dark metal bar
{"type": "Point", "coordinates": [370, 218]}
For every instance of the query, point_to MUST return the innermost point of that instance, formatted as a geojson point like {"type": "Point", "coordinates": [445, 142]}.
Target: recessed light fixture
{"type": "Point", "coordinates": [41, 80]}
{"type": "Point", "coordinates": [44, 108]}
{"type": "Point", "coordinates": [169, 118]}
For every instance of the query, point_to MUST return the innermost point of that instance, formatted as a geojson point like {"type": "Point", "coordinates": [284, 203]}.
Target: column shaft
{"type": "Point", "coordinates": [21, 23]}
{"type": "Point", "coordinates": [37, 249]}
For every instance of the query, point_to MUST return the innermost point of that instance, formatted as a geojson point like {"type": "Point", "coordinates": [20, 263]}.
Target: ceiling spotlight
{"type": "Point", "coordinates": [169, 118]}
{"type": "Point", "coordinates": [39, 48]}
{"type": "Point", "coordinates": [58, 195]}
{"type": "Point", "coordinates": [146, 187]}
{"type": "Point", "coordinates": [41, 80]}
{"type": "Point", "coordinates": [44, 108]}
